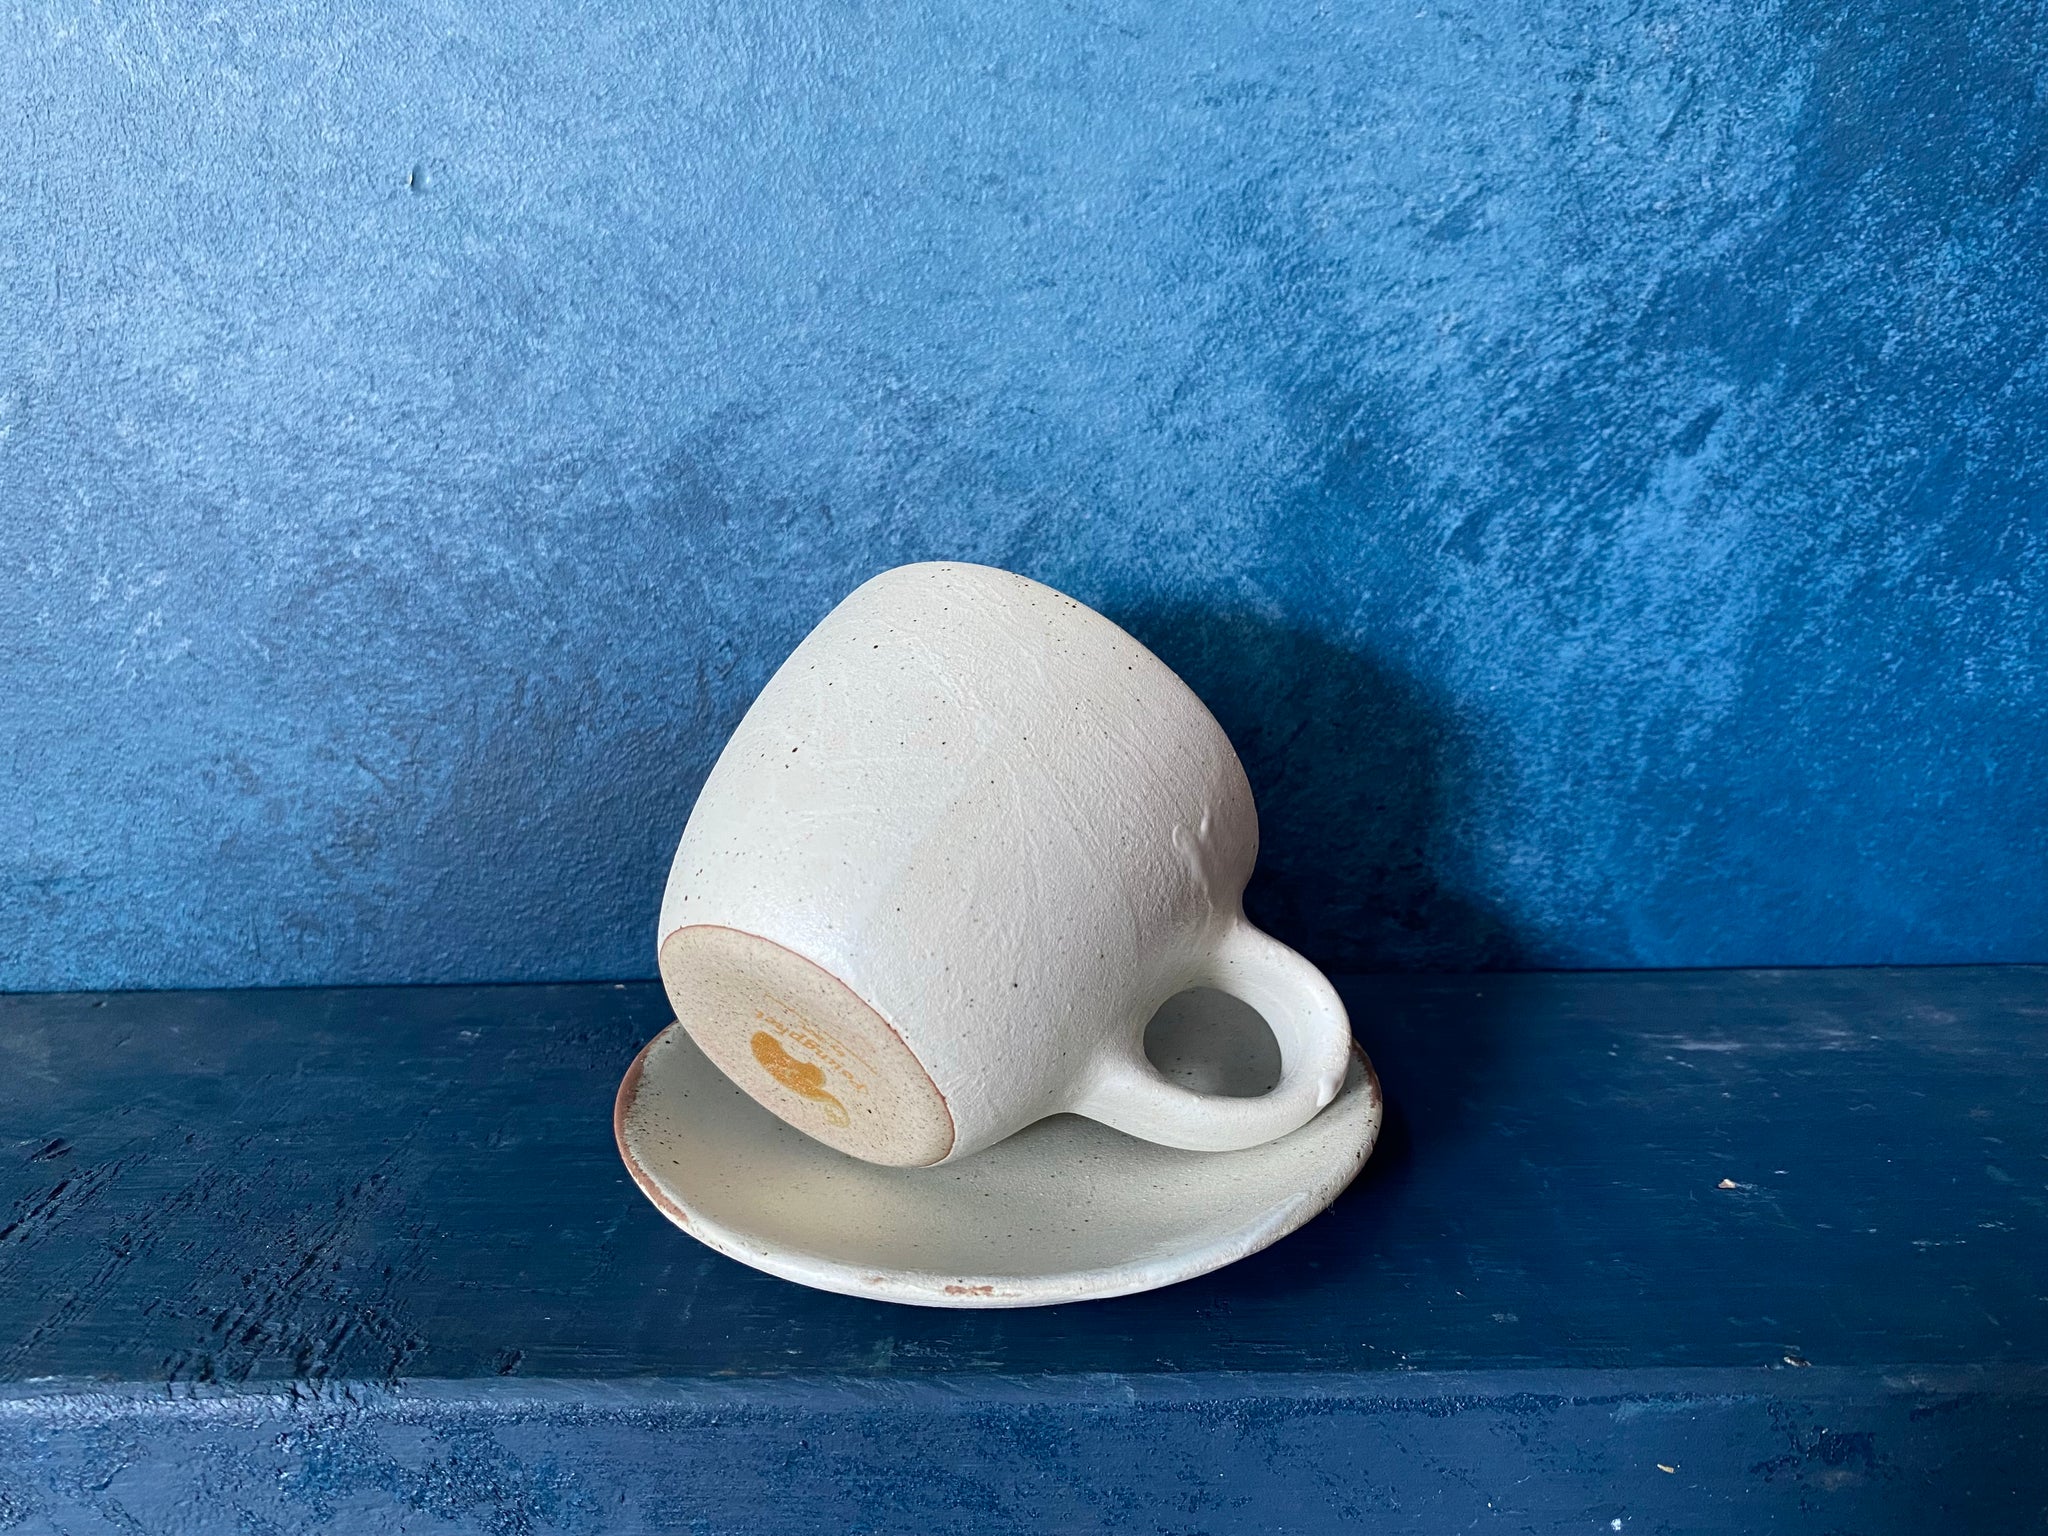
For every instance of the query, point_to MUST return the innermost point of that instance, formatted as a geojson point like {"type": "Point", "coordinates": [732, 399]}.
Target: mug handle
{"type": "Point", "coordinates": [1308, 1021]}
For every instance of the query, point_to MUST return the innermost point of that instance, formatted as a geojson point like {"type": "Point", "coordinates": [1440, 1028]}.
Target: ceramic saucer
{"type": "Point", "coordinates": [1065, 1210]}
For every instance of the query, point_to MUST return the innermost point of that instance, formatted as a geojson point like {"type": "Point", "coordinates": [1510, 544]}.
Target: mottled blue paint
{"type": "Point", "coordinates": [366, 1261]}
{"type": "Point", "coordinates": [1594, 456]}
{"type": "Point", "coordinates": [1578, 1452]}
{"type": "Point", "coordinates": [381, 1183]}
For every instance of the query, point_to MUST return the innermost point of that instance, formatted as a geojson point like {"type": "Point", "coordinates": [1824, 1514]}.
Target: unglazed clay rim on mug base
{"type": "Point", "coordinates": [733, 1176]}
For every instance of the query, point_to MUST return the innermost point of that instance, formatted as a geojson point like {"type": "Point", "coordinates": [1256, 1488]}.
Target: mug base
{"type": "Point", "coordinates": [803, 1045]}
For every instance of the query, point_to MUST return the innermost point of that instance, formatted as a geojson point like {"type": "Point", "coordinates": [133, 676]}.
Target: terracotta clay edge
{"type": "Point", "coordinates": [622, 1106]}
{"type": "Point", "coordinates": [952, 1125]}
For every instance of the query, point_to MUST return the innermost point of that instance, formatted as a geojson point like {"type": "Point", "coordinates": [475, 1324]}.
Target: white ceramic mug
{"type": "Point", "coordinates": [965, 843]}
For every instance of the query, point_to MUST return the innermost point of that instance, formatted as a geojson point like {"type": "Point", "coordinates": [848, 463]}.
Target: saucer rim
{"type": "Point", "coordinates": [925, 1288]}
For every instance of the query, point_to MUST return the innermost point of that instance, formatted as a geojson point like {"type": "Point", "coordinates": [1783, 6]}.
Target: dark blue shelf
{"type": "Point", "coordinates": [366, 1260]}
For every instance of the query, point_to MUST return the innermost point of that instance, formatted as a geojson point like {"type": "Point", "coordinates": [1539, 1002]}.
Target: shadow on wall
{"type": "Point", "coordinates": [1361, 779]}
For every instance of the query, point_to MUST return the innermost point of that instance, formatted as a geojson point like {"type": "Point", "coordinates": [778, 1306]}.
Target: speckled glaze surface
{"type": "Point", "coordinates": [1066, 1210]}
{"type": "Point", "coordinates": [1009, 833]}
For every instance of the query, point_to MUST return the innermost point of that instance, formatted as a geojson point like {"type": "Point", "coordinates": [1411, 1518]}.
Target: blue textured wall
{"type": "Point", "coordinates": [1594, 456]}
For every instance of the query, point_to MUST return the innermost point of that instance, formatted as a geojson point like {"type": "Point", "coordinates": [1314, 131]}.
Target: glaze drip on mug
{"type": "Point", "coordinates": [803, 1078]}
